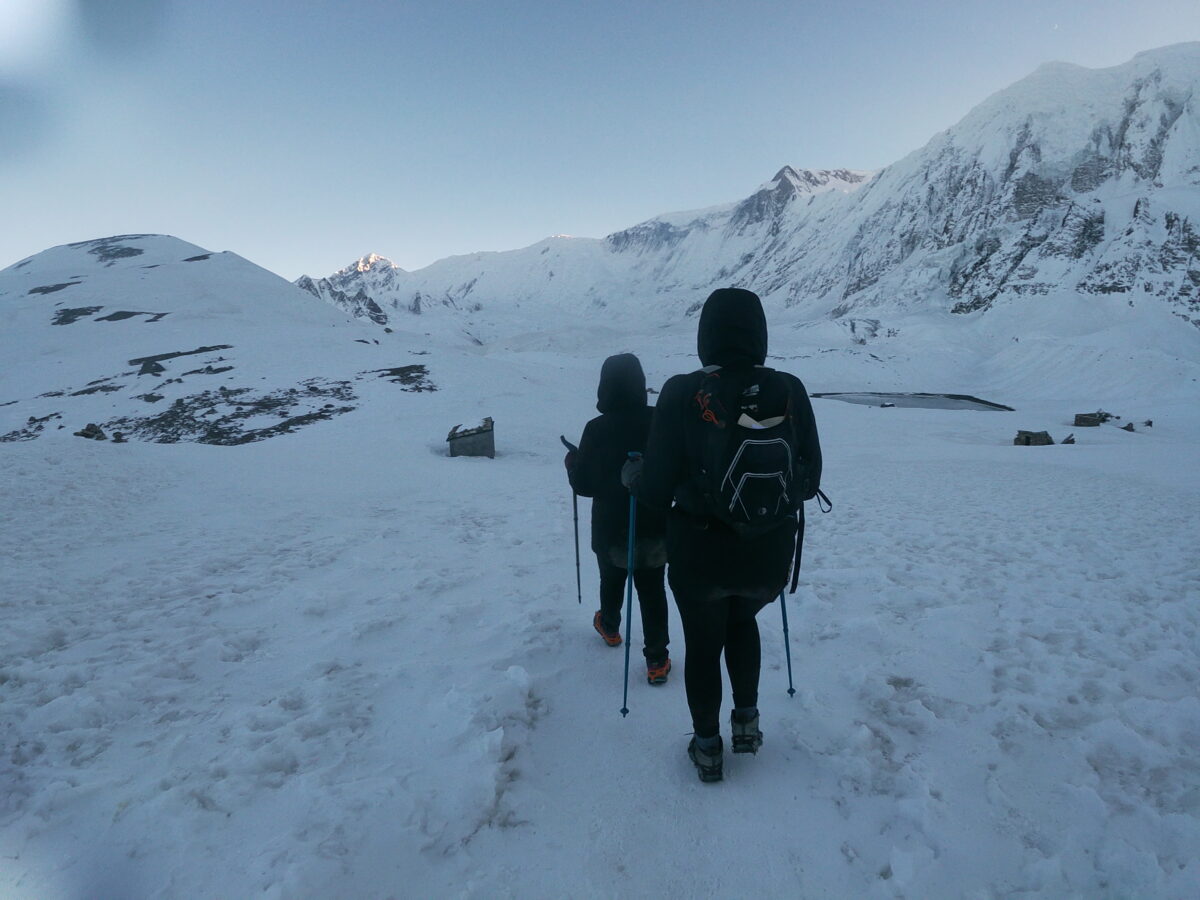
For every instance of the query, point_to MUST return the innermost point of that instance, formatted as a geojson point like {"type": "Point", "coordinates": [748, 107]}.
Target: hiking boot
{"type": "Point", "coordinates": [656, 673]}
{"type": "Point", "coordinates": [709, 763]}
{"type": "Point", "coordinates": [612, 638]}
{"type": "Point", "coordinates": [746, 736]}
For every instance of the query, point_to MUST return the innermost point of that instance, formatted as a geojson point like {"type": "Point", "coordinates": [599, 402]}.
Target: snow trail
{"type": "Point", "coordinates": [342, 664]}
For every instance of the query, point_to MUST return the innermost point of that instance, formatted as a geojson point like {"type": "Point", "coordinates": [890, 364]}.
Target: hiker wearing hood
{"type": "Point", "coordinates": [721, 573]}
{"type": "Point", "coordinates": [595, 471]}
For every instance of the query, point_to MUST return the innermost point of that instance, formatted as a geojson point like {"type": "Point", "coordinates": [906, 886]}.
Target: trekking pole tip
{"type": "Point", "coordinates": [624, 711]}
{"type": "Point", "coordinates": [791, 692]}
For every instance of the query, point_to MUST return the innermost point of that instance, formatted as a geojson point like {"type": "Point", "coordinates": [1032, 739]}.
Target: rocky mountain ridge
{"type": "Point", "coordinates": [1071, 181]}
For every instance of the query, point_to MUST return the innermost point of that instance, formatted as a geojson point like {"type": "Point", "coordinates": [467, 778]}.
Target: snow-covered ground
{"type": "Point", "coordinates": [338, 663]}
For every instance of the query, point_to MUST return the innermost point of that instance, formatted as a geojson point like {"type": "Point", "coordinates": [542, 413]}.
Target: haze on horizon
{"type": "Point", "coordinates": [303, 136]}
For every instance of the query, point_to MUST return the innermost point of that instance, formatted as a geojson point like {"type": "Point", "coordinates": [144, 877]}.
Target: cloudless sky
{"type": "Point", "coordinates": [305, 134]}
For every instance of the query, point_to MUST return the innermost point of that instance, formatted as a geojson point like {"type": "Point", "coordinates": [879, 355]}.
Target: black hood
{"type": "Point", "coordinates": [733, 329]}
{"type": "Point", "coordinates": [622, 384]}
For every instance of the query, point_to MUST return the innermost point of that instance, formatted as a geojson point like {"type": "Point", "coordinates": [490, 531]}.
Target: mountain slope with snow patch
{"type": "Point", "coordinates": [162, 340]}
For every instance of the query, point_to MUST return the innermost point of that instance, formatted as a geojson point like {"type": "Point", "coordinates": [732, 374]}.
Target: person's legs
{"type": "Point", "coordinates": [704, 623]}
{"type": "Point", "coordinates": [743, 650]}
{"type": "Point", "coordinates": [612, 594]}
{"type": "Point", "coordinates": [652, 597]}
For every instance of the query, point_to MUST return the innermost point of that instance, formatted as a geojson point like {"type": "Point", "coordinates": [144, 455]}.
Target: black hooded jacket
{"type": "Point", "coordinates": [733, 335]}
{"type": "Point", "coordinates": [622, 426]}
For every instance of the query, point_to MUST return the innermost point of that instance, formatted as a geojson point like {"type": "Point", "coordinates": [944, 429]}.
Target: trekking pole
{"type": "Point", "coordinates": [575, 510]}
{"type": "Point", "coordinates": [633, 454]}
{"type": "Point", "coordinates": [825, 505]}
{"type": "Point", "coordinates": [787, 643]}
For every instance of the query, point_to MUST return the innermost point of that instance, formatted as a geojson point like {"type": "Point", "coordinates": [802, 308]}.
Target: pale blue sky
{"type": "Point", "coordinates": [305, 134]}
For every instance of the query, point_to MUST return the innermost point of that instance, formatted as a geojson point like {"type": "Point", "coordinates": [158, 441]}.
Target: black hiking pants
{"type": "Point", "coordinates": [713, 626]}
{"type": "Point", "coordinates": [720, 583]}
{"type": "Point", "coordinates": [652, 597]}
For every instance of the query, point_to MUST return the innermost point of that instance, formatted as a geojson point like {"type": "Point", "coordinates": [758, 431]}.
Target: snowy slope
{"type": "Point", "coordinates": [1070, 182]}
{"type": "Point", "coordinates": [164, 340]}
{"type": "Point", "coordinates": [338, 663]}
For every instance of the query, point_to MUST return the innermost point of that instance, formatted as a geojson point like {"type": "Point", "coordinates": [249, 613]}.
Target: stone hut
{"type": "Point", "coordinates": [478, 441]}
{"type": "Point", "coordinates": [1033, 439]}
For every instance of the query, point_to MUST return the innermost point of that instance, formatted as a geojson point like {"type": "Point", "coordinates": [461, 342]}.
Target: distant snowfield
{"type": "Point", "coordinates": [338, 663]}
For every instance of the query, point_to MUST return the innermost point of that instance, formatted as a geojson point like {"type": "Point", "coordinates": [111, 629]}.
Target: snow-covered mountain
{"type": "Point", "coordinates": [162, 340]}
{"type": "Point", "coordinates": [340, 663]}
{"type": "Point", "coordinates": [1072, 181]}
{"type": "Point", "coordinates": [668, 257]}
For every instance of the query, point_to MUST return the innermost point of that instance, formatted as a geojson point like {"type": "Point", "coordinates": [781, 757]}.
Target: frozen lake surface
{"type": "Point", "coordinates": [921, 401]}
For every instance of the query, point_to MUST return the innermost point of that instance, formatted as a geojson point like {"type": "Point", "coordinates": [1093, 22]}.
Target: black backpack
{"type": "Point", "coordinates": [750, 476]}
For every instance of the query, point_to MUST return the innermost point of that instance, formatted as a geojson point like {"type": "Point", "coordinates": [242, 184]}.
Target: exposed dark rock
{"type": "Point", "coordinates": [110, 249]}
{"type": "Point", "coordinates": [1069, 439]}
{"type": "Point", "coordinates": [209, 370]}
{"type": "Point", "coordinates": [1032, 194]}
{"type": "Point", "coordinates": [1090, 174]}
{"type": "Point", "coordinates": [120, 315]}
{"type": "Point", "coordinates": [1127, 427]}
{"type": "Point", "coordinates": [100, 388]}
{"type": "Point", "coordinates": [150, 367]}
{"type": "Point", "coordinates": [647, 237]}
{"type": "Point", "coordinates": [163, 356]}
{"type": "Point", "coordinates": [93, 432]}
{"type": "Point", "coordinates": [67, 316]}
{"type": "Point", "coordinates": [221, 416]}
{"type": "Point", "coordinates": [52, 288]}
{"type": "Point", "coordinates": [32, 428]}
{"type": "Point", "coordinates": [202, 256]}
{"type": "Point", "coordinates": [359, 305]}
{"type": "Point", "coordinates": [414, 377]}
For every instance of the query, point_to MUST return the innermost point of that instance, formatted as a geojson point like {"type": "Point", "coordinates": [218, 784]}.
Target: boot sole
{"type": "Point", "coordinates": [707, 774]}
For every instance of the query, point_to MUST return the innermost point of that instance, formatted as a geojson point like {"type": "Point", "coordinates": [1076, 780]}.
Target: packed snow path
{"type": "Point", "coordinates": [341, 664]}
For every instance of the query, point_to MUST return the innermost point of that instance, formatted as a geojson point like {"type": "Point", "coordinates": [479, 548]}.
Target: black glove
{"type": "Point", "coordinates": [631, 472]}
{"type": "Point", "coordinates": [569, 460]}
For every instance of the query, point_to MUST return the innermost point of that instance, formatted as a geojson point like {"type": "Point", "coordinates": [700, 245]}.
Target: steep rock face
{"type": "Point", "coordinates": [360, 305]}
{"type": "Point", "coordinates": [1071, 181]}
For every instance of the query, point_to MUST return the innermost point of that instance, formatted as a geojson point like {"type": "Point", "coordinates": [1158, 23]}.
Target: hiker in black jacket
{"type": "Point", "coordinates": [595, 471]}
{"type": "Point", "coordinates": [721, 580]}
